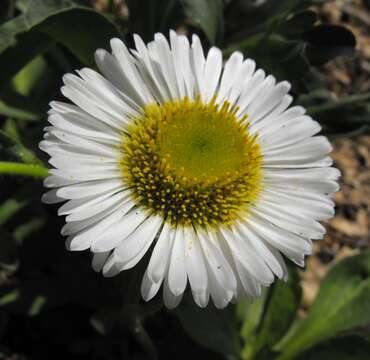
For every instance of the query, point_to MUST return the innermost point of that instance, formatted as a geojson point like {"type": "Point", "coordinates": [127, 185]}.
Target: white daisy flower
{"type": "Point", "coordinates": [204, 163]}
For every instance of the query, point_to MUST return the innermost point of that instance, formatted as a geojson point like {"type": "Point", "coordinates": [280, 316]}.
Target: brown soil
{"type": "Point", "coordinates": [349, 231]}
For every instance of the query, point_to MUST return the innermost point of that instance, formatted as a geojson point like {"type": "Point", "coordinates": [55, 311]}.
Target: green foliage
{"type": "Point", "coordinates": [349, 115]}
{"type": "Point", "coordinates": [212, 328]}
{"type": "Point", "coordinates": [151, 16]}
{"type": "Point", "coordinates": [8, 208]}
{"type": "Point", "coordinates": [342, 348]}
{"type": "Point", "coordinates": [279, 311]}
{"type": "Point", "coordinates": [342, 304]}
{"type": "Point", "coordinates": [44, 22]}
{"type": "Point", "coordinates": [208, 15]}
{"type": "Point", "coordinates": [284, 58]}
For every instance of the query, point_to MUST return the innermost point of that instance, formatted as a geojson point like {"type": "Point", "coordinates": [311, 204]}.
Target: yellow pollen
{"type": "Point", "coordinates": [195, 164]}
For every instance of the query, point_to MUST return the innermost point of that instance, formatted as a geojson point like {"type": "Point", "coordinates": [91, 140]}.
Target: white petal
{"type": "Point", "coordinates": [170, 300]}
{"type": "Point", "coordinates": [82, 153]}
{"type": "Point", "coordinates": [55, 181]}
{"type": "Point", "coordinates": [117, 100]}
{"type": "Point", "coordinates": [195, 266]}
{"type": "Point", "coordinates": [65, 163]}
{"type": "Point", "coordinates": [309, 150]}
{"type": "Point", "coordinates": [149, 288]}
{"type": "Point", "coordinates": [72, 227]}
{"type": "Point", "coordinates": [124, 59]}
{"type": "Point", "coordinates": [110, 269]}
{"type": "Point", "coordinates": [220, 295]}
{"type": "Point", "coordinates": [76, 205]}
{"type": "Point", "coordinates": [99, 260]}
{"type": "Point", "coordinates": [177, 276]}
{"type": "Point", "coordinates": [62, 161]}
{"type": "Point", "coordinates": [289, 133]}
{"type": "Point", "coordinates": [81, 97]}
{"type": "Point", "coordinates": [73, 115]}
{"type": "Point", "coordinates": [84, 238]}
{"type": "Point", "coordinates": [81, 190]}
{"type": "Point", "coordinates": [165, 61]}
{"type": "Point", "coordinates": [133, 248]}
{"type": "Point", "coordinates": [64, 125]}
{"type": "Point", "coordinates": [148, 69]}
{"type": "Point", "coordinates": [320, 180]}
{"type": "Point", "coordinates": [198, 63]}
{"type": "Point", "coordinates": [244, 252]}
{"type": "Point", "coordinates": [261, 249]}
{"type": "Point", "coordinates": [259, 94]}
{"type": "Point", "coordinates": [111, 69]}
{"type": "Point", "coordinates": [295, 223]}
{"type": "Point", "coordinates": [230, 73]}
{"type": "Point", "coordinates": [273, 98]}
{"type": "Point", "coordinates": [316, 209]}
{"type": "Point", "coordinates": [105, 98]}
{"type": "Point", "coordinates": [119, 231]}
{"type": "Point", "coordinates": [212, 73]}
{"type": "Point", "coordinates": [159, 260]}
{"type": "Point", "coordinates": [241, 80]}
{"type": "Point", "coordinates": [98, 207]}
{"type": "Point", "coordinates": [247, 286]}
{"type": "Point", "coordinates": [250, 286]}
{"type": "Point", "coordinates": [217, 261]}
{"type": "Point", "coordinates": [104, 172]}
{"type": "Point", "coordinates": [51, 197]}
{"type": "Point", "coordinates": [250, 89]}
{"type": "Point", "coordinates": [89, 145]}
{"type": "Point", "coordinates": [188, 76]}
{"type": "Point", "coordinates": [293, 246]}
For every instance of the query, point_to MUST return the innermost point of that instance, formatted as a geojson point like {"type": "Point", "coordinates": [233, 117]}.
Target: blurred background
{"type": "Point", "coordinates": [52, 304]}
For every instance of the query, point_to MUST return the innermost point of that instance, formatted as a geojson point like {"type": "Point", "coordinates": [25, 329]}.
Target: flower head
{"type": "Point", "coordinates": [204, 163]}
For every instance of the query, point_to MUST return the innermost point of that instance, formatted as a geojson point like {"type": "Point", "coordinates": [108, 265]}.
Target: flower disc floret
{"type": "Point", "coordinates": [193, 163]}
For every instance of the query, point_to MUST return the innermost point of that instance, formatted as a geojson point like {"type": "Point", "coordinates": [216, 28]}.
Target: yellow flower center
{"type": "Point", "coordinates": [193, 163]}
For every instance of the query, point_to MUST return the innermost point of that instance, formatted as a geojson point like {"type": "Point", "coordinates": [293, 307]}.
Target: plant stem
{"type": "Point", "coordinates": [313, 110]}
{"type": "Point", "coordinates": [13, 168]}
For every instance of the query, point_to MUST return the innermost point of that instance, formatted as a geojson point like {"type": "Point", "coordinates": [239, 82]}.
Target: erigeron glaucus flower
{"type": "Point", "coordinates": [205, 165]}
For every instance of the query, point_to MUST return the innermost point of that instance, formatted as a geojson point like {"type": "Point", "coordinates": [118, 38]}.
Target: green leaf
{"type": "Point", "coordinates": [34, 31]}
{"type": "Point", "coordinates": [246, 18]}
{"type": "Point", "coordinates": [10, 207]}
{"type": "Point", "coordinates": [10, 141]}
{"type": "Point", "coordinates": [326, 42]}
{"type": "Point", "coordinates": [342, 304]}
{"type": "Point", "coordinates": [343, 348]}
{"type": "Point", "coordinates": [150, 16]}
{"type": "Point", "coordinates": [14, 57]}
{"type": "Point", "coordinates": [298, 23]}
{"type": "Point", "coordinates": [16, 113]}
{"type": "Point", "coordinates": [337, 116]}
{"type": "Point", "coordinates": [37, 305]}
{"type": "Point", "coordinates": [7, 298]}
{"type": "Point", "coordinates": [94, 31]}
{"type": "Point", "coordinates": [250, 314]}
{"type": "Point", "coordinates": [210, 327]}
{"type": "Point", "coordinates": [28, 228]}
{"type": "Point", "coordinates": [280, 309]}
{"type": "Point", "coordinates": [208, 15]}
{"type": "Point", "coordinates": [275, 54]}
{"type": "Point", "coordinates": [29, 76]}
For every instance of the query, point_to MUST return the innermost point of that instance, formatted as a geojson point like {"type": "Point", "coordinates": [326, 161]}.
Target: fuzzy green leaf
{"type": "Point", "coordinates": [208, 15]}
{"type": "Point", "coordinates": [210, 327]}
{"type": "Point", "coordinates": [342, 304]}
{"type": "Point", "coordinates": [43, 22]}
